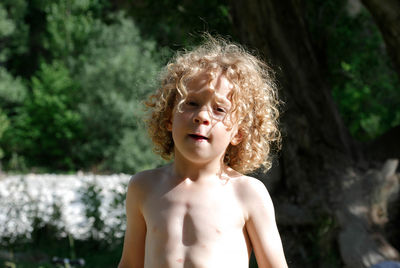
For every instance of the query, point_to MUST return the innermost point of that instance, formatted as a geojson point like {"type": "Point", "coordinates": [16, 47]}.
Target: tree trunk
{"type": "Point", "coordinates": [319, 159]}
{"type": "Point", "coordinates": [387, 16]}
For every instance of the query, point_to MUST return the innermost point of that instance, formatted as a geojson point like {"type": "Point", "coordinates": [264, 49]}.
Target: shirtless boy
{"type": "Point", "coordinates": [215, 115]}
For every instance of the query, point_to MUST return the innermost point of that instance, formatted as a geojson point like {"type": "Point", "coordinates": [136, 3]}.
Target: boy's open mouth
{"type": "Point", "coordinates": [198, 137]}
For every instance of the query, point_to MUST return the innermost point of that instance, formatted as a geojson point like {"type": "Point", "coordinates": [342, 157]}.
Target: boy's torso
{"type": "Point", "coordinates": [193, 224]}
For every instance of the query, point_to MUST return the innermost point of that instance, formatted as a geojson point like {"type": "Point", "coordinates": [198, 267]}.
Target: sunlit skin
{"type": "Point", "coordinates": [197, 212]}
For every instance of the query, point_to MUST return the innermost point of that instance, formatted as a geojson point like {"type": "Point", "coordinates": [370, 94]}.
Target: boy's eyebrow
{"type": "Point", "coordinates": [218, 98]}
{"type": "Point", "coordinates": [222, 100]}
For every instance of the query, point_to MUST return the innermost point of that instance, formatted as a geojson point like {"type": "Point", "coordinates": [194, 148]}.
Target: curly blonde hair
{"type": "Point", "coordinates": [254, 100]}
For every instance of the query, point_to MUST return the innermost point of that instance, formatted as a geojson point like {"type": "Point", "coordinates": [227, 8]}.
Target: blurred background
{"type": "Point", "coordinates": [73, 77]}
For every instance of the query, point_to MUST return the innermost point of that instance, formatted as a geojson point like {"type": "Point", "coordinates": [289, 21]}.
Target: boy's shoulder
{"type": "Point", "coordinates": [146, 175]}
{"type": "Point", "coordinates": [249, 186]}
{"type": "Point", "coordinates": [143, 181]}
{"type": "Point", "coordinates": [252, 193]}
{"type": "Point", "coordinates": [244, 183]}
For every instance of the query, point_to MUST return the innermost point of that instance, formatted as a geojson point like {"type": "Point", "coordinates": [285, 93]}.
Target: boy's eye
{"type": "Point", "coordinates": [191, 103]}
{"type": "Point", "coordinates": [220, 110]}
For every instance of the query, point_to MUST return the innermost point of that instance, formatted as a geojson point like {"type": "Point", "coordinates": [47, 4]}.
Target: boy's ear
{"type": "Point", "coordinates": [169, 125]}
{"type": "Point", "coordinates": [237, 138]}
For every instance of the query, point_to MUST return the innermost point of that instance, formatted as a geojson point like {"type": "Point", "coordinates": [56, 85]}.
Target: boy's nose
{"type": "Point", "coordinates": [202, 117]}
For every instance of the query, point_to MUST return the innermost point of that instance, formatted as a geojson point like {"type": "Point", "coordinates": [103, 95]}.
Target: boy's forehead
{"type": "Point", "coordinates": [217, 83]}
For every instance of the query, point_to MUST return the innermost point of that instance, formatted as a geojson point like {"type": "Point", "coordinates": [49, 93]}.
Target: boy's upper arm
{"type": "Point", "coordinates": [135, 234]}
{"type": "Point", "coordinates": [261, 226]}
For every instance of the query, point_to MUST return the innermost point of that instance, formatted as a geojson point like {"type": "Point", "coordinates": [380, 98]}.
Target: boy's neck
{"type": "Point", "coordinates": [185, 169]}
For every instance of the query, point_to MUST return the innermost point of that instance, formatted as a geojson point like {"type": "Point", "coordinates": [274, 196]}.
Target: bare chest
{"type": "Point", "coordinates": [195, 227]}
{"type": "Point", "coordinates": [194, 214]}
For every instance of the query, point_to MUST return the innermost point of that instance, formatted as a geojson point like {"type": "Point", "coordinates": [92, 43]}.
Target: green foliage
{"type": "Point", "coordinates": [117, 205]}
{"type": "Point", "coordinates": [12, 90]}
{"type": "Point", "coordinates": [70, 25]}
{"type": "Point", "coordinates": [92, 198]}
{"type": "Point", "coordinates": [133, 152]}
{"type": "Point", "coordinates": [40, 226]}
{"type": "Point", "coordinates": [12, 93]}
{"type": "Point", "coordinates": [365, 87]}
{"type": "Point", "coordinates": [47, 124]}
{"type": "Point", "coordinates": [117, 71]}
{"type": "Point", "coordinates": [13, 29]}
{"type": "Point", "coordinates": [321, 237]}
{"type": "Point", "coordinates": [4, 123]}
{"type": "Point", "coordinates": [177, 24]}
{"type": "Point", "coordinates": [90, 71]}
{"type": "Point", "coordinates": [7, 26]}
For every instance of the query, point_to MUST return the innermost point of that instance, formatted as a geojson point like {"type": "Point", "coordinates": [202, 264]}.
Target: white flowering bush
{"type": "Point", "coordinates": [72, 204]}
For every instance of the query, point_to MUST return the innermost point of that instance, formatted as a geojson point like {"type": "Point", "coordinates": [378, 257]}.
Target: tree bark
{"type": "Point", "coordinates": [318, 156]}
{"type": "Point", "coordinates": [362, 214]}
{"type": "Point", "coordinates": [387, 16]}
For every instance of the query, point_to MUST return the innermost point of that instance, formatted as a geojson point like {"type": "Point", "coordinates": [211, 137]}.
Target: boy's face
{"type": "Point", "coordinates": [203, 128]}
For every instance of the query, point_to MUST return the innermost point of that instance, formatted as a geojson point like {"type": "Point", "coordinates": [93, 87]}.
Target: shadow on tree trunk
{"type": "Point", "coordinates": [331, 198]}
